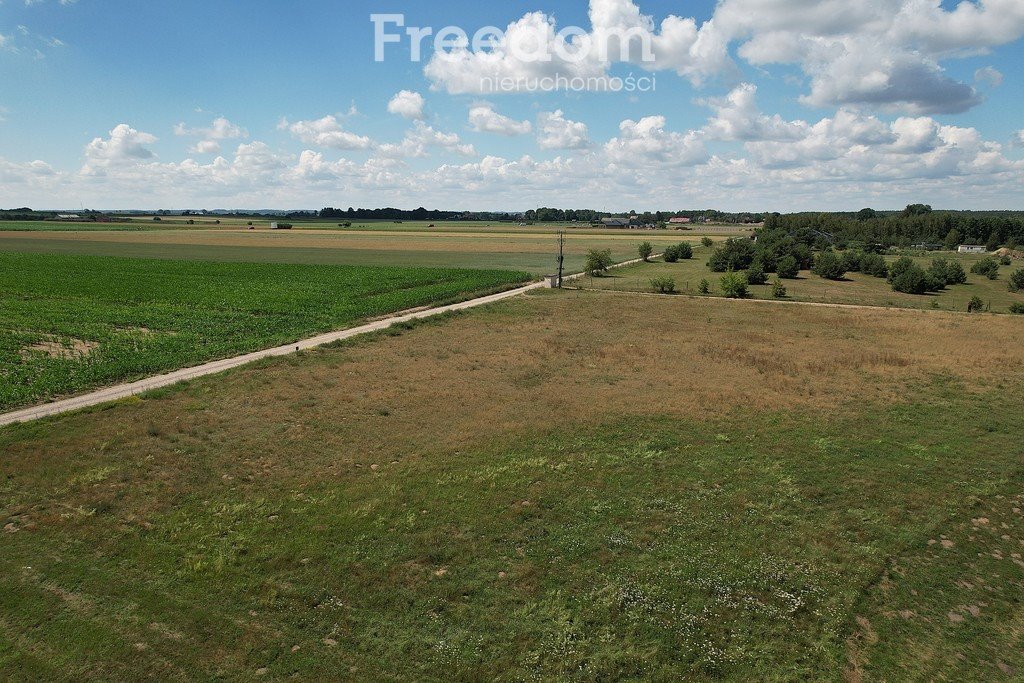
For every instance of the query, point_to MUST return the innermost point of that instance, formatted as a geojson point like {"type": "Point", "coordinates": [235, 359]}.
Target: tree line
{"type": "Point", "coordinates": [917, 224]}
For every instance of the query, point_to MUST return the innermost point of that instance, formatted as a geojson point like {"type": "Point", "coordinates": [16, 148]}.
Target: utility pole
{"type": "Point", "coordinates": [561, 256]}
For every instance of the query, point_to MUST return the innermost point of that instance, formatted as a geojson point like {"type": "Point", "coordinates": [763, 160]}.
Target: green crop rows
{"type": "Point", "coordinates": [73, 323]}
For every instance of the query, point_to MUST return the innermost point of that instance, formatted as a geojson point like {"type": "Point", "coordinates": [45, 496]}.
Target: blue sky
{"type": "Point", "coordinates": [786, 105]}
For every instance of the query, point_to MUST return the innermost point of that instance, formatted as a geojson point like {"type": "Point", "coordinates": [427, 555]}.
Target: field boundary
{"type": "Point", "coordinates": [128, 390]}
{"type": "Point", "coordinates": [791, 302]}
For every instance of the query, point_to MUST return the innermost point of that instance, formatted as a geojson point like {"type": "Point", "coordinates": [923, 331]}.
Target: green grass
{"type": "Point", "coordinates": [856, 288]}
{"type": "Point", "coordinates": [651, 549]}
{"type": "Point", "coordinates": [72, 323]}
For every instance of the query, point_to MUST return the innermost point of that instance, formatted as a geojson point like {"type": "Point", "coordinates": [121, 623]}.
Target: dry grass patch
{"type": "Point", "coordinates": [554, 487]}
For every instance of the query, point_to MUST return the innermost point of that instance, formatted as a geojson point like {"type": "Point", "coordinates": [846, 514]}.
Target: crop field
{"type": "Point", "coordinates": [72, 323]}
{"type": "Point", "coordinates": [61, 226]}
{"type": "Point", "coordinates": [855, 289]}
{"type": "Point", "coordinates": [531, 252]}
{"type": "Point", "coordinates": [557, 487]}
{"type": "Point", "coordinates": [148, 224]}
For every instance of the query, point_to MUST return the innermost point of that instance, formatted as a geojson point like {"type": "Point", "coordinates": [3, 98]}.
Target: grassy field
{"type": "Point", "coordinates": [531, 252]}
{"type": "Point", "coordinates": [857, 288]}
{"type": "Point", "coordinates": [72, 323]}
{"type": "Point", "coordinates": [556, 487]}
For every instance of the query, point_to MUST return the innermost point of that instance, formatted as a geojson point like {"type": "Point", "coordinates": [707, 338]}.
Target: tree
{"type": "Point", "coordinates": [955, 273]}
{"type": "Point", "coordinates": [976, 305]}
{"type": "Point", "coordinates": [685, 251]}
{"type": "Point", "coordinates": [787, 268]}
{"type": "Point", "coordinates": [756, 274]}
{"type": "Point", "coordinates": [866, 214]}
{"type": "Point", "coordinates": [707, 242]}
{"type": "Point", "coordinates": [852, 261]}
{"type": "Point", "coordinates": [939, 273]}
{"type": "Point", "coordinates": [735, 254]}
{"type": "Point", "coordinates": [646, 249]}
{"type": "Point", "coordinates": [1017, 280]}
{"type": "Point", "coordinates": [1017, 308]}
{"type": "Point", "coordinates": [953, 240]}
{"type": "Point", "coordinates": [993, 241]}
{"type": "Point", "coordinates": [987, 267]}
{"type": "Point", "coordinates": [908, 277]}
{"type": "Point", "coordinates": [917, 210]}
{"type": "Point", "coordinates": [804, 256]}
{"type": "Point", "coordinates": [599, 261]}
{"type": "Point", "coordinates": [778, 290]}
{"type": "Point", "coordinates": [704, 287]}
{"type": "Point", "coordinates": [829, 266]}
{"type": "Point", "coordinates": [664, 285]}
{"type": "Point", "coordinates": [671, 254]}
{"type": "Point", "coordinates": [874, 265]}
{"type": "Point", "coordinates": [734, 286]}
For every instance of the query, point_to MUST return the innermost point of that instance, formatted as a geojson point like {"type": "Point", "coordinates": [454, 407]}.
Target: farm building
{"type": "Point", "coordinates": [679, 220]}
{"type": "Point", "coordinates": [68, 217]}
{"type": "Point", "coordinates": [972, 249]}
{"type": "Point", "coordinates": [616, 222]}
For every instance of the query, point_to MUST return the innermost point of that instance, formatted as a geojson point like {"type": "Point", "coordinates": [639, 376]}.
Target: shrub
{"type": "Point", "coordinates": [756, 274]}
{"type": "Point", "coordinates": [787, 267]}
{"type": "Point", "coordinates": [707, 242]}
{"type": "Point", "coordinates": [704, 287]}
{"type": "Point", "coordinates": [976, 305]}
{"type": "Point", "coordinates": [829, 266]}
{"type": "Point", "coordinates": [874, 265]}
{"type": "Point", "coordinates": [778, 290]}
{"type": "Point", "coordinates": [955, 273]}
{"type": "Point", "coordinates": [685, 251]}
{"type": "Point", "coordinates": [645, 251]}
{"type": "Point", "coordinates": [1017, 308]}
{"type": "Point", "coordinates": [908, 277]}
{"type": "Point", "coordinates": [853, 261]}
{"type": "Point", "coordinates": [1005, 260]}
{"type": "Point", "coordinates": [735, 254]}
{"type": "Point", "coordinates": [671, 255]}
{"type": "Point", "coordinates": [734, 286]}
{"type": "Point", "coordinates": [1017, 280]}
{"type": "Point", "coordinates": [599, 261]}
{"type": "Point", "coordinates": [938, 273]}
{"type": "Point", "coordinates": [664, 285]}
{"type": "Point", "coordinates": [988, 267]}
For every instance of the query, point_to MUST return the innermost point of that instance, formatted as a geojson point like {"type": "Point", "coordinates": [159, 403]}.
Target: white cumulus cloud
{"type": "Point", "coordinates": [646, 142]}
{"type": "Point", "coordinates": [219, 129]}
{"type": "Point", "coordinates": [407, 104]}
{"type": "Point", "coordinates": [326, 132]}
{"type": "Point", "coordinates": [123, 144]}
{"type": "Point", "coordinates": [483, 119]}
{"type": "Point", "coordinates": [420, 139]}
{"type": "Point", "coordinates": [554, 131]}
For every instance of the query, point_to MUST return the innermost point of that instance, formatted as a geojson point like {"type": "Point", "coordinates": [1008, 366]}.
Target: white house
{"type": "Point", "coordinates": [972, 249]}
